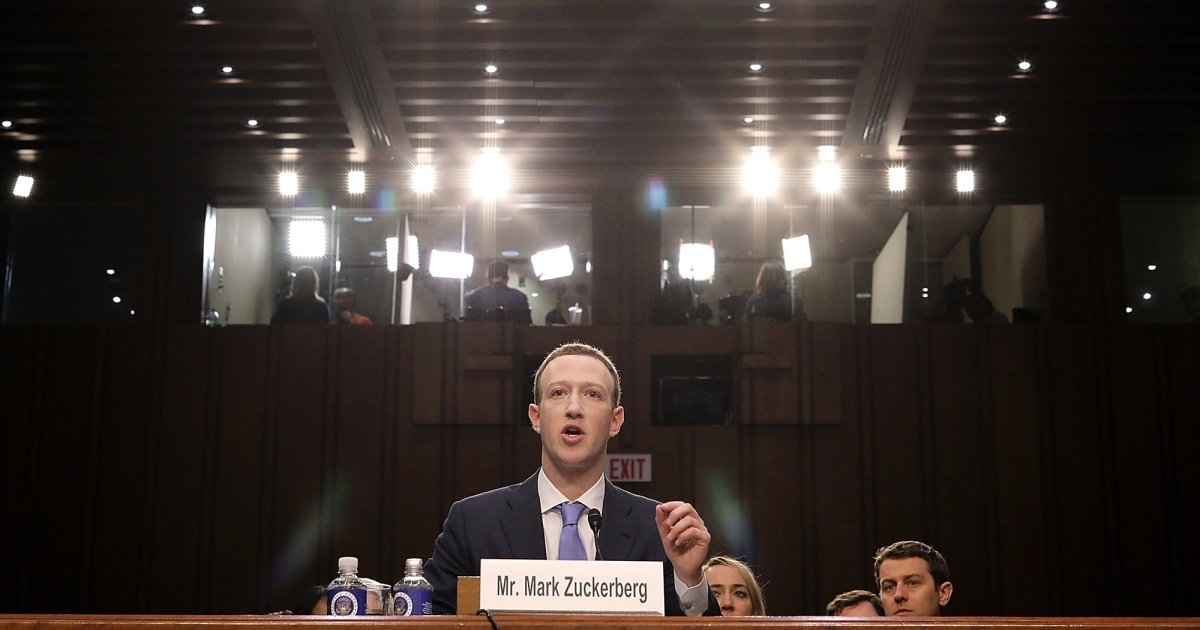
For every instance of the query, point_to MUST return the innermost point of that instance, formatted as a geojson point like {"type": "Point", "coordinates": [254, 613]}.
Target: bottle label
{"type": "Point", "coordinates": [347, 602]}
{"type": "Point", "coordinates": [412, 602]}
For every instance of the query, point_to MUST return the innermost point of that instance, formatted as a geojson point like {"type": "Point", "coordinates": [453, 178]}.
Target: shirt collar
{"type": "Point", "coordinates": [549, 497]}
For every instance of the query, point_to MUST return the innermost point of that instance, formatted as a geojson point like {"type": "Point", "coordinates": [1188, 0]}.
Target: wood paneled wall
{"type": "Point", "coordinates": [190, 470]}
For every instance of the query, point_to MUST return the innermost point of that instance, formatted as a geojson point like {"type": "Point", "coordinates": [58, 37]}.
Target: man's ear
{"type": "Point", "coordinates": [535, 418]}
{"type": "Point", "coordinates": [944, 592]}
{"type": "Point", "coordinates": [618, 419]}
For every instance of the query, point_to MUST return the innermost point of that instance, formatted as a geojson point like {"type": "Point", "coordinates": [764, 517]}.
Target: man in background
{"type": "Point", "coordinates": [345, 303]}
{"type": "Point", "coordinates": [855, 604]}
{"type": "Point", "coordinates": [497, 300]}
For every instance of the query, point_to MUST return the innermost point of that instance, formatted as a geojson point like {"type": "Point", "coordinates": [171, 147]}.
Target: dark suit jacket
{"type": "Point", "coordinates": [507, 523]}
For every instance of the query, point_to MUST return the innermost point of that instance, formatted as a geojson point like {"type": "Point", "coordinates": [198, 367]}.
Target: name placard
{"type": "Point", "coordinates": [571, 586]}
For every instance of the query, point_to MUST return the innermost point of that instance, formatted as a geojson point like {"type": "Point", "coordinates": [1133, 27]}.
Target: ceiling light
{"type": "Point", "coordinates": [1050, 5]}
{"type": "Point", "coordinates": [1128, 309]}
{"type": "Point", "coordinates": [197, 10]}
{"type": "Point", "coordinates": [510, 253]}
{"type": "Point", "coordinates": [491, 68]}
{"type": "Point", "coordinates": [481, 9]}
{"type": "Point", "coordinates": [392, 243]}
{"type": "Point", "coordinates": [116, 299]}
{"type": "Point", "coordinates": [489, 177]}
{"type": "Point", "coordinates": [1146, 296]}
{"type": "Point", "coordinates": [897, 179]}
{"type": "Point", "coordinates": [764, 7]}
{"type": "Point", "coordinates": [827, 177]}
{"type": "Point", "coordinates": [1000, 119]}
{"type": "Point", "coordinates": [756, 67]}
{"type": "Point", "coordinates": [760, 176]}
{"type": "Point", "coordinates": [450, 264]}
{"type": "Point", "coordinates": [364, 219]}
{"type": "Point", "coordinates": [110, 271]}
{"type": "Point", "coordinates": [423, 179]}
{"type": "Point", "coordinates": [499, 121]}
{"type": "Point", "coordinates": [697, 261]}
{"type": "Point", "coordinates": [356, 183]}
{"type": "Point", "coordinates": [7, 124]}
{"type": "Point", "coordinates": [1024, 66]}
{"type": "Point", "coordinates": [24, 186]}
{"type": "Point", "coordinates": [796, 253]}
{"type": "Point", "coordinates": [1151, 267]}
{"type": "Point", "coordinates": [289, 183]}
{"type": "Point", "coordinates": [227, 71]}
{"type": "Point", "coordinates": [306, 238]}
{"type": "Point", "coordinates": [748, 120]}
{"type": "Point", "coordinates": [252, 123]}
{"type": "Point", "coordinates": [553, 263]}
{"type": "Point", "coordinates": [965, 181]}
{"type": "Point", "coordinates": [826, 153]}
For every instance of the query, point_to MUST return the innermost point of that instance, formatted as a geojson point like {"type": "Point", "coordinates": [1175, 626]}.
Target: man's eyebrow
{"type": "Point", "coordinates": [563, 383]}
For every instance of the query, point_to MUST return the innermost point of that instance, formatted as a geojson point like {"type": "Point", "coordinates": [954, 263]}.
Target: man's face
{"type": "Point", "coordinates": [907, 588]}
{"type": "Point", "coordinates": [861, 609]}
{"type": "Point", "coordinates": [576, 417]}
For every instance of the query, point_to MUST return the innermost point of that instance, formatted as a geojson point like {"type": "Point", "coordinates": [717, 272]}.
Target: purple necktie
{"type": "Point", "coordinates": [570, 547]}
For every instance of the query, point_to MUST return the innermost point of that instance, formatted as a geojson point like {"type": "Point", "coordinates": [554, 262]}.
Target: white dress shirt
{"type": "Point", "coordinates": [693, 601]}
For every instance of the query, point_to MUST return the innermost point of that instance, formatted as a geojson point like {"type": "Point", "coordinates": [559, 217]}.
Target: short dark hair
{"type": "Point", "coordinates": [851, 598]}
{"type": "Point", "coordinates": [914, 549]}
{"type": "Point", "coordinates": [497, 269]}
{"type": "Point", "coordinates": [581, 349]}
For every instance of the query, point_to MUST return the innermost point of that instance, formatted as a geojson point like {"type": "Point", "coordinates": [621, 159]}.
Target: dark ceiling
{"type": "Point", "coordinates": [595, 89]}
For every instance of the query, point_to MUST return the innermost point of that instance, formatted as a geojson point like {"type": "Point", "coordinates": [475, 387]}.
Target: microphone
{"type": "Point", "coordinates": [594, 522]}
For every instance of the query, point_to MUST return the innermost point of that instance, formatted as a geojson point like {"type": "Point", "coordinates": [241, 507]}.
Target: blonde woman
{"type": "Point", "coordinates": [735, 587]}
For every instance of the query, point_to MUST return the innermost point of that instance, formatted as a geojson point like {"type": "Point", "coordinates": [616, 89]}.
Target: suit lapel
{"type": "Point", "coordinates": [619, 530]}
{"type": "Point", "coordinates": [522, 524]}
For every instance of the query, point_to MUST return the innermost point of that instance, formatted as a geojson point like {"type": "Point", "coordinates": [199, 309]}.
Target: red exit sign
{"type": "Point", "coordinates": [627, 467]}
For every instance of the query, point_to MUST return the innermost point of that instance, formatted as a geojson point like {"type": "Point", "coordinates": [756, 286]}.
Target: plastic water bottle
{"type": "Point", "coordinates": [347, 594]}
{"type": "Point", "coordinates": [414, 594]}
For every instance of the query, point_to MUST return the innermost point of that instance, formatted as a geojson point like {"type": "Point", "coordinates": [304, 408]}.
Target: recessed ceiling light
{"type": "Point", "coordinates": [364, 219]}
{"type": "Point", "coordinates": [252, 123]}
{"type": "Point", "coordinates": [499, 121]}
{"type": "Point", "coordinates": [1050, 5]}
{"type": "Point", "coordinates": [1146, 296]}
{"type": "Point", "coordinates": [7, 124]}
{"type": "Point", "coordinates": [110, 271]}
{"type": "Point", "coordinates": [197, 9]}
{"type": "Point", "coordinates": [748, 120]}
{"type": "Point", "coordinates": [1151, 267]}
{"type": "Point", "coordinates": [756, 67]}
{"type": "Point", "coordinates": [764, 7]}
{"type": "Point", "coordinates": [510, 253]}
{"type": "Point", "coordinates": [1128, 309]}
{"type": "Point", "coordinates": [1024, 65]}
{"type": "Point", "coordinates": [491, 68]}
{"type": "Point", "coordinates": [227, 71]}
{"type": "Point", "coordinates": [481, 8]}
{"type": "Point", "coordinates": [116, 299]}
{"type": "Point", "coordinates": [1000, 119]}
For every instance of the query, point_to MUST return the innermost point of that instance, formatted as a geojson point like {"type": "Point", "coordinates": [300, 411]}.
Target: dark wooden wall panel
{"type": "Point", "coordinates": [960, 495]}
{"type": "Point", "coordinates": [1078, 473]}
{"type": "Point", "coordinates": [236, 505]}
{"type": "Point", "coordinates": [122, 469]}
{"type": "Point", "coordinates": [1140, 472]}
{"type": "Point", "coordinates": [303, 491]}
{"type": "Point", "coordinates": [21, 363]}
{"type": "Point", "coordinates": [180, 482]}
{"type": "Point", "coordinates": [1182, 362]}
{"type": "Point", "coordinates": [357, 473]}
{"type": "Point", "coordinates": [1023, 547]}
{"type": "Point", "coordinates": [59, 514]}
{"type": "Point", "coordinates": [225, 470]}
{"type": "Point", "coordinates": [895, 422]}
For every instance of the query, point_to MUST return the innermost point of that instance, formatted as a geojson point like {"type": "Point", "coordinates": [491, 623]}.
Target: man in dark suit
{"type": "Point", "coordinates": [497, 300]}
{"type": "Point", "coordinates": [576, 410]}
